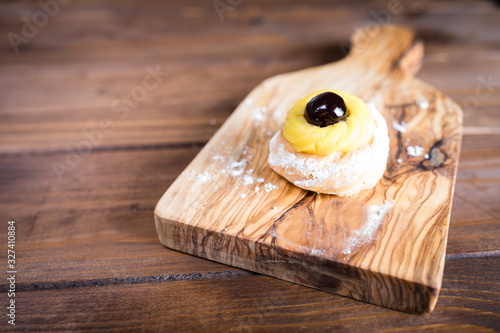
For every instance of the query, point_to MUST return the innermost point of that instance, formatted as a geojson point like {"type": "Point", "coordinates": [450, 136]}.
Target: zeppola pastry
{"type": "Point", "coordinates": [333, 143]}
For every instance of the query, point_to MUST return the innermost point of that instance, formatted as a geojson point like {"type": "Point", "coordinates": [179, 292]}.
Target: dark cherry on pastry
{"type": "Point", "coordinates": [326, 109]}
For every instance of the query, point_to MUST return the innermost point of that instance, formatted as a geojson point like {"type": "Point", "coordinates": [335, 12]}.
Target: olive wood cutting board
{"type": "Point", "coordinates": [386, 245]}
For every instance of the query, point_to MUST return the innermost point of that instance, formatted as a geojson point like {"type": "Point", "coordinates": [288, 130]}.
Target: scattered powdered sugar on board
{"type": "Point", "coordinates": [414, 150]}
{"type": "Point", "coordinates": [236, 173]}
{"type": "Point", "coordinates": [258, 115]}
{"type": "Point", "coordinates": [278, 115]}
{"type": "Point", "coordinates": [247, 180]}
{"type": "Point", "coordinates": [269, 187]}
{"type": "Point", "coordinates": [238, 169]}
{"type": "Point", "coordinates": [422, 102]}
{"type": "Point", "coordinates": [219, 158]}
{"type": "Point", "coordinates": [203, 177]}
{"type": "Point", "coordinates": [238, 164]}
{"type": "Point", "coordinates": [400, 127]}
{"type": "Point", "coordinates": [365, 234]}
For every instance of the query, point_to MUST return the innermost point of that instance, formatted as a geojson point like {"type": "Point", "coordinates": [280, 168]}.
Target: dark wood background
{"type": "Point", "coordinates": [87, 252]}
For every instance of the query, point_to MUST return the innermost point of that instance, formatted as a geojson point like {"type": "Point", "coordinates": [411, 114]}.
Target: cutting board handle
{"type": "Point", "coordinates": [387, 47]}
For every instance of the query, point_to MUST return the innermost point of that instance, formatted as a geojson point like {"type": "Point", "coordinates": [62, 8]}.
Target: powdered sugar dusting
{"type": "Point", "coordinates": [258, 115]}
{"type": "Point", "coordinates": [414, 150]}
{"type": "Point", "coordinates": [317, 169]}
{"type": "Point", "coordinates": [422, 102]}
{"type": "Point", "coordinates": [236, 173]}
{"type": "Point", "coordinates": [238, 164]}
{"type": "Point", "coordinates": [247, 179]}
{"type": "Point", "coordinates": [269, 187]}
{"type": "Point", "coordinates": [203, 177]}
{"type": "Point", "coordinates": [219, 158]}
{"type": "Point", "coordinates": [400, 127]}
{"type": "Point", "coordinates": [374, 216]}
{"type": "Point", "coordinates": [279, 116]}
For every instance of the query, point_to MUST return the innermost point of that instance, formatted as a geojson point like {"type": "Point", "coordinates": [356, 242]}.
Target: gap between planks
{"type": "Point", "coordinates": [199, 276]}
{"type": "Point", "coordinates": [473, 255]}
{"type": "Point", "coordinates": [146, 147]}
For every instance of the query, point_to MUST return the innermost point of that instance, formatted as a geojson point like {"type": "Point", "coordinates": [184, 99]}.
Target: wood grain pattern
{"type": "Point", "coordinates": [93, 215]}
{"type": "Point", "coordinates": [256, 41]}
{"type": "Point", "coordinates": [317, 240]}
{"type": "Point", "coordinates": [89, 256]}
{"type": "Point", "coordinates": [262, 304]}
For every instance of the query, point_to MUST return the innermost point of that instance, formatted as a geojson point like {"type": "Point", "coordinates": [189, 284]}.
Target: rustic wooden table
{"type": "Point", "coordinates": [103, 104]}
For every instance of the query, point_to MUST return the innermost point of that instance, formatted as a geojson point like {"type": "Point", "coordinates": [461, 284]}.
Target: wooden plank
{"type": "Point", "coordinates": [34, 192]}
{"type": "Point", "coordinates": [100, 213]}
{"type": "Point", "coordinates": [256, 40]}
{"type": "Point", "coordinates": [475, 207]}
{"type": "Point", "coordinates": [157, 20]}
{"type": "Point", "coordinates": [469, 301]}
{"type": "Point", "coordinates": [84, 82]}
{"type": "Point", "coordinates": [308, 238]}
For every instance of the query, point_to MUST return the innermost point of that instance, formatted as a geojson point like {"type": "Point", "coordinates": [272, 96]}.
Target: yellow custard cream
{"type": "Point", "coordinates": [344, 136]}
